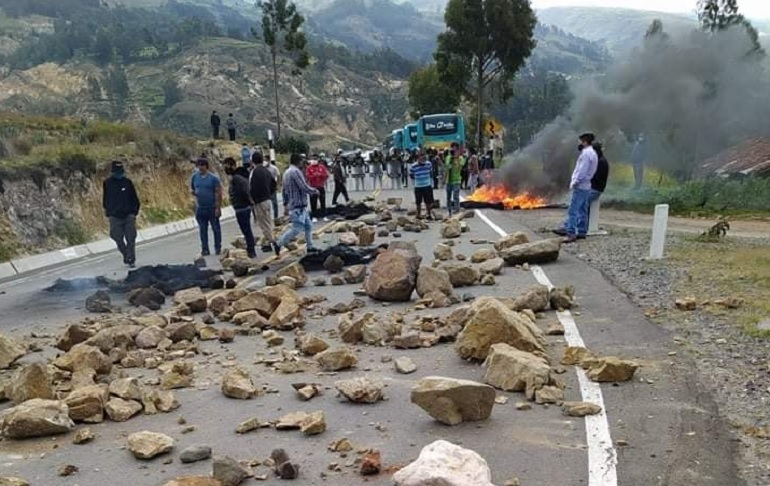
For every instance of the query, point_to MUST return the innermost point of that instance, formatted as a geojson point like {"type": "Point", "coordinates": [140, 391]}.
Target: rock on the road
{"type": "Point", "coordinates": [482, 255]}
{"type": "Point", "coordinates": [195, 453]}
{"type": "Point", "coordinates": [493, 266]}
{"type": "Point", "coordinates": [12, 481]}
{"type": "Point", "coordinates": [431, 279]}
{"type": "Point", "coordinates": [610, 369]}
{"type": "Point", "coordinates": [393, 276]}
{"type": "Point", "coordinates": [313, 424]}
{"type": "Point", "coordinates": [82, 436]}
{"type": "Point", "coordinates": [310, 344]}
{"type": "Point", "coordinates": [445, 464]}
{"type": "Point", "coordinates": [150, 298]}
{"type": "Point", "coordinates": [86, 404]}
{"type": "Point", "coordinates": [150, 337]}
{"type": "Point", "coordinates": [228, 471]}
{"type": "Point", "coordinates": [461, 275]}
{"type": "Point", "coordinates": [509, 241]}
{"type": "Point", "coordinates": [99, 302]}
{"type": "Point", "coordinates": [10, 351]}
{"type": "Point", "coordinates": [126, 388]}
{"type": "Point", "coordinates": [511, 369]}
{"type": "Point", "coordinates": [74, 334]}
{"type": "Point", "coordinates": [451, 228]}
{"type": "Point", "coordinates": [362, 389]}
{"type": "Point", "coordinates": [120, 410]}
{"type": "Point", "coordinates": [194, 298]}
{"type": "Point", "coordinates": [295, 271]}
{"type": "Point", "coordinates": [337, 359]}
{"type": "Point", "coordinates": [580, 409]}
{"type": "Point", "coordinates": [82, 356]}
{"type": "Point", "coordinates": [284, 468]}
{"type": "Point", "coordinates": [452, 401]}
{"type": "Point", "coordinates": [31, 381]}
{"type": "Point", "coordinates": [543, 251]}
{"type": "Point", "coordinates": [405, 365]}
{"type": "Point", "coordinates": [36, 418]}
{"type": "Point", "coordinates": [535, 298]}
{"type": "Point", "coordinates": [443, 252]}
{"type": "Point", "coordinates": [491, 322]}
{"type": "Point", "coordinates": [562, 298]}
{"type": "Point", "coordinates": [194, 481]}
{"type": "Point", "coordinates": [236, 383]}
{"type": "Point", "coordinates": [147, 445]}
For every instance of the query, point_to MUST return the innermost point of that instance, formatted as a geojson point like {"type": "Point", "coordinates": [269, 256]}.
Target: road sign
{"type": "Point", "coordinates": [493, 128]}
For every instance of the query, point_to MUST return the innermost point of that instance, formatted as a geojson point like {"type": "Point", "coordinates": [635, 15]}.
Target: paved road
{"type": "Point", "coordinates": [667, 420]}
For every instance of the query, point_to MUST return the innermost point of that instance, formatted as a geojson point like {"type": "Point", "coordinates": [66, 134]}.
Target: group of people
{"type": "Point", "coordinates": [588, 181]}
{"type": "Point", "coordinates": [230, 123]}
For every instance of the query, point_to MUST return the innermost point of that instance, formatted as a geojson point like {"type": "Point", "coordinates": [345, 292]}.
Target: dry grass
{"type": "Point", "coordinates": [730, 268]}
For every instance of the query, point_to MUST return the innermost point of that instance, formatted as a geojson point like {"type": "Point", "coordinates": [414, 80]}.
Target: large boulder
{"type": "Point", "coordinates": [452, 401]}
{"type": "Point", "coordinates": [86, 404]}
{"type": "Point", "coordinates": [115, 337]}
{"type": "Point", "coordinates": [445, 464]}
{"type": "Point", "coordinates": [461, 275]}
{"type": "Point", "coordinates": [393, 276]}
{"type": "Point", "coordinates": [443, 252]}
{"type": "Point", "coordinates": [451, 228]}
{"type": "Point", "coordinates": [295, 271]}
{"type": "Point", "coordinates": [493, 266]}
{"type": "Point", "coordinates": [150, 337]}
{"type": "Point", "coordinates": [181, 331]}
{"type": "Point", "coordinates": [535, 299]}
{"type": "Point", "coordinates": [431, 279]}
{"type": "Point", "coordinates": [127, 388]}
{"type": "Point", "coordinates": [83, 356]}
{"type": "Point", "coordinates": [36, 418]}
{"type": "Point", "coordinates": [509, 241]}
{"type": "Point", "coordinates": [150, 298]}
{"type": "Point", "coordinates": [194, 298]}
{"type": "Point", "coordinates": [351, 329]}
{"type": "Point", "coordinates": [543, 251]}
{"type": "Point", "coordinates": [510, 369]}
{"type": "Point", "coordinates": [491, 322]}
{"type": "Point", "coordinates": [75, 334]}
{"type": "Point", "coordinates": [258, 301]}
{"type": "Point", "coordinates": [10, 351]}
{"type": "Point", "coordinates": [610, 369]}
{"type": "Point", "coordinates": [31, 381]}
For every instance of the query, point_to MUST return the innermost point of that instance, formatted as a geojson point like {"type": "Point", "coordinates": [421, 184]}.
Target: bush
{"type": "Point", "coordinates": [71, 231]}
{"type": "Point", "coordinates": [71, 161]}
{"type": "Point", "coordinates": [292, 145]}
{"type": "Point", "coordinates": [114, 133]}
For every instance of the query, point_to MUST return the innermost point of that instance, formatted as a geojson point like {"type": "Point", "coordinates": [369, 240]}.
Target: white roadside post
{"type": "Point", "coordinates": [271, 144]}
{"type": "Point", "coordinates": [593, 220]}
{"type": "Point", "coordinates": [659, 225]}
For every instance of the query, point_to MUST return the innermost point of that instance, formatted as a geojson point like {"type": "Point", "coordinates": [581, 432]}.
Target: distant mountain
{"type": "Point", "coordinates": [618, 28]}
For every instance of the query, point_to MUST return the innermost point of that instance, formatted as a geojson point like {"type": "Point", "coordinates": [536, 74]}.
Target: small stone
{"type": "Point", "coordinates": [195, 453]}
{"type": "Point", "coordinates": [686, 304]}
{"type": "Point", "coordinates": [549, 394]}
{"type": "Point", "coordinates": [65, 470]}
{"type": "Point", "coordinates": [371, 464]}
{"type": "Point", "coordinates": [226, 335]}
{"type": "Point", "coordinates": [83, 436]}
{"type": "Point", "coordinates": [311, 344]}
{"type": "Point", "coordinates": [126, 388]}
{"type": "Point", "coordinates": [523, 406]}
{"type": "Point", "coordinates": [228, 471]}
{"type": "Point", "coordinates": [512, 482]}
{"type": "Point", "coordinates": [360, 390]}
{"type": "Point", "coordinates": [147, 445]}
{"type": "Point", "coordinates": [99, 303]}
{"type": "Point", "coordinates": [337, 359]}
{"type": "Point", "coordinates": [611, 369]}
{"type": "Point", "coordinates": [313, 424]}
{"type": "Point", "coordinates": [272, 338]}
{"type": "Point", "coordinates": [341, 445]}
{"type": "Point", "coordinates": [580, 409]}
{"type": "Point", "coordinates": [248, 425]}
{"type": "Point", "coordinates": [119, 410]}
{"type": "Point", "coordinates": [555, 328]}
{"type": "Point", "coordinates": [236, 383]}
{"type": "Point", "coordinates": [405, 365]}
{"type": "Point", "coordinates": [284, 468]}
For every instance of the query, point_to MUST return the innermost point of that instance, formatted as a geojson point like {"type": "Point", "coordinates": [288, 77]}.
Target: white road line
{"type": "Point", "coordinates": [602, 457]}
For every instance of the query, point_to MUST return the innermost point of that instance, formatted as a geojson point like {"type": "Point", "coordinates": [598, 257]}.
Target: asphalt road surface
{"type": "Point", "coordinates": [662, 427]}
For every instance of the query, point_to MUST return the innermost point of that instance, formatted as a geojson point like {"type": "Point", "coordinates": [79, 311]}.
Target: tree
{"type": "Point", "coordinates": [281, 24]}
{"type": "Point", "coordinates": [716, 15]}
{"type": "Point", "coordinates": [428, 94]}
{"type": "Point", "coordinates": [485, 44]}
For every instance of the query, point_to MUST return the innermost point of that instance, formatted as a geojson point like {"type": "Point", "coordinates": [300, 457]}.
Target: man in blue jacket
{"type": "Point", "coordinates": [121, 205]}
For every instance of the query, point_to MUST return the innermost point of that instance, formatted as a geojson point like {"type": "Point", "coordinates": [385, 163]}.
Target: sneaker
{"type": "Point", "coordinates": [218, 252]}
{"type": "Point", "coordinates": [581, 237]}
{"type": "Point", "coordinates": [205, 253]}
{"type": "Point", "coordinates": [314, 220]}
{"type": "Point", "coordinates": [570, 239]}
{"type": "Point", "coordinates": [560, 232]}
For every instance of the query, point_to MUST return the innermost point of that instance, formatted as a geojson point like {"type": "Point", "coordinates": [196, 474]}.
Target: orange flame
{"type": "Point", "coordinates": [499, 194]}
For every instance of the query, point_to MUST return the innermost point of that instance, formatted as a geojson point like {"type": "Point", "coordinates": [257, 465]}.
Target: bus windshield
{"type": "Point", "coordinates": [439, 125]}
{"type": "Point", "coordinates": [412, 130]}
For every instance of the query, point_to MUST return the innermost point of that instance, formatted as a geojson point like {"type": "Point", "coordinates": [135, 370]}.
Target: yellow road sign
{"type": "Point", "coordinates": [493, 128]}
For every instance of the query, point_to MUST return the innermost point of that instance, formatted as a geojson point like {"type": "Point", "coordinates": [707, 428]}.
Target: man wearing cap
{"type": "Point", "coordinates": [295, 194]}
{"type": "Point", "coordinates": [207, 189]}
{"type": "Point", "coordinates": [121, 205]}
{"type": "Point", "coordinates": [580, 184]}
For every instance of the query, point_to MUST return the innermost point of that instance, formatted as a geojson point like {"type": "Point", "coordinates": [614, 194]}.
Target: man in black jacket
{"type": "Point", "coordinates": [215, 123]}
{"type": "Point", "coordinates": [240, 198]}
{"type": "Point", "coordinates": [121, 205]}
{"type": "Point", "coordinates": [262, 186]}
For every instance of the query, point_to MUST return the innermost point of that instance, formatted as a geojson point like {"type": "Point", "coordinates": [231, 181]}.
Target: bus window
{"type": "Point", "coordinates": [413, 135]}
{"type": "Point", "coordinates": [439, 125]}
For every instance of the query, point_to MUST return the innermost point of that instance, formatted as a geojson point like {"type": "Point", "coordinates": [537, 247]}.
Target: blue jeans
{"type": "Point", "coordinates": [300, 221]}
{"type": "Point", "coordinates": [206, 217]}
{"type": "Point", "coordinates": [577, 214]}
{"type": "Point", "coordinates": [453, 198]}
{"type": "Point", "coordinates": [243, 216]}
{"type": "Point", "coordinates": [274, 198]}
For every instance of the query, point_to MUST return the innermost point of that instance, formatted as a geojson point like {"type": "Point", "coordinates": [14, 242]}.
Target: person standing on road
{"type": "Point", "coordinates": [232, 125]}
{"type": "Point", "coordinates": [240, 199]}
{"type": "Point", "coordinates": [454, 168]}
{"type": "Point", "coordinates": [473, 171]}
{"type": "Point", "coordinates": [215, 124]}
{"type": "Point", "coordinates": [421, 171]}
{"type": "Point", "coordinates": [121, 205]}
{"type": "Point", "coordinates": [317, 175]}
{"type": "Point", "coordinates": [246, 156]}
{"type": "Point", "coordinates": [394, 169]}
{"type": "Point", "coordinates": [376, 171]}
{"type": "Point", "coordinates": [358, 171]}
{"type": "Point", "coordinates": [295, 193]}
{"type": "Point", "coordinates": [262, 187]}
{"type": "Point", "coordinates": [339, 180]}
{"type": "Point", "coordinates": [580, 184]}
{"type": "Point", "coordinates": [638, 158]}
{"type": "Point", "coordinates": [207, 190]}
{"type": "Point", "coordinates": [273, 169]}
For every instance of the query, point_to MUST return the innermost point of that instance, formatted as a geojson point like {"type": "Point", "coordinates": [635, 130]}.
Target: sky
{"type": "Point", "coordinates": [759, 9]}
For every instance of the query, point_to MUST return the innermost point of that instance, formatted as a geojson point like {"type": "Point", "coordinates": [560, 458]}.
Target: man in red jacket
{"type": "Point", "coordinates": [317, 175]}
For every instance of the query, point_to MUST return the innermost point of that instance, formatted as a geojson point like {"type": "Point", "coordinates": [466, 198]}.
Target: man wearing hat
{"type": "Point", "coordinates": [580, 184]}
{"type": "Point", "coordinates": [207, 189]}
{"type": "Point", "coordinates": [121, 205]}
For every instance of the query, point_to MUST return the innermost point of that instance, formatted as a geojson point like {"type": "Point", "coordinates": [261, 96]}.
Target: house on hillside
{"type": "Point", "coordinates": [749, 158]}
